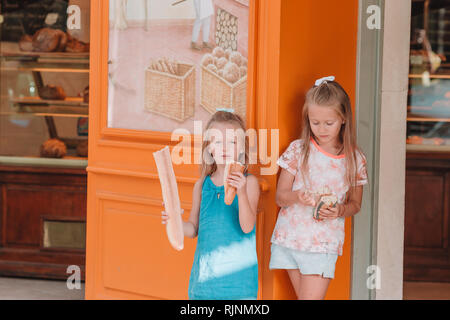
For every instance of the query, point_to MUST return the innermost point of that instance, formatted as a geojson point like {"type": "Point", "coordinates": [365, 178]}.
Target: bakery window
{"type": "Point", "coordinates": [173, 67]}
{"type": "Point", "coordinates": [44, 82]}
{"type": "Point", "coordinates": [428, 117]}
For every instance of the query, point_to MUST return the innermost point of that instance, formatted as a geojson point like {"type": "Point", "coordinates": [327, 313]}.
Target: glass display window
{"type": "Point", "coordinates": [44, 82]}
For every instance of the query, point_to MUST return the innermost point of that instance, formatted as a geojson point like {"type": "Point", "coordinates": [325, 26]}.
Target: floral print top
{"type": "Point", "coordinates": [295, 227]}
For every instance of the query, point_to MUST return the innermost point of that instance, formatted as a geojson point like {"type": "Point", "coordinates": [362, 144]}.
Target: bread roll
{"type": "Point", "coordinates": [62, 41]}
{"type": "Point", "coordinates": [221, 63]}
{"type": "Point", "coordinates": [218, 52]}
{"type": "Point", "coordinates": [46, 40]}
{"type": "Point", "coordinates": [207, 59]}
{"type": "Point", "coordinates": [26, 43]}
{"type": "Point", "coordinates": [231, 72]}
{"type": "Point", "coordinates": [82, 148]}
{"type": "Point", "coordinates": [53, 148]}
{"type": "Point", "coordinates": [228, 52]}
{"type": "Point", "coordinates": [51, 92]}
{"type": "Point", "coordinates": [244, 62]}
{"type": "Point", "coordinates": [242, 71]}
{"type": "Point", "coordinates": [212, 67]}
{"type": "Point", "coordinates": [236, 58]}
{"type": "Point", "coordinates": [230, 192]}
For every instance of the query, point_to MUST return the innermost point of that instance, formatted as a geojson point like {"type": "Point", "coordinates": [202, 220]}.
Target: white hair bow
{"type": "Point", "coordinates": [225, 109]}
{"type": "Point", "coordinates": [324, 79]}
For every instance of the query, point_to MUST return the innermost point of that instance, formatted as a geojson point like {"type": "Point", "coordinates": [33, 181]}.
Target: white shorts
{"type": "Point", "coordinates": [307, 262]}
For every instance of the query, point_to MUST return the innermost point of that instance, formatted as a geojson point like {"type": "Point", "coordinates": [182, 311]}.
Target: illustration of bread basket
{"type": "Point", "coordinates": [170, 94]}
{"type": "Point", "coordinates": [217, 92]}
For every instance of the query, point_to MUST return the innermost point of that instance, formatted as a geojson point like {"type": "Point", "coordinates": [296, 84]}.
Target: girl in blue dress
{"type": "Point", "coordinates": [225, 263]}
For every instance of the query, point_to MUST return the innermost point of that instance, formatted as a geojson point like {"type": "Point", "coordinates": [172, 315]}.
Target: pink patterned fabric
{"type": "Point", "coordinates": [296, 227]}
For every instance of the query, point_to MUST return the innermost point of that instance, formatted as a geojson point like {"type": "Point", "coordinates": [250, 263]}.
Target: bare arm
{"type": "Point", "coordinates": [353, 205]}
{"type": "Point", "coordinates": [190, 227]}
{"type": "Point", "coordinates": [248, 204]}
{"type": "Point", "coordinates": [285, 197]}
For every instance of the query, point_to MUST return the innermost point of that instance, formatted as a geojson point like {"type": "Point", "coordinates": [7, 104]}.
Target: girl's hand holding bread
{"type": "Point", "coordinates": [331, 213]}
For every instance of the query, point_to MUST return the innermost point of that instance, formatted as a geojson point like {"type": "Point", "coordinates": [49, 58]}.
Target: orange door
{"type": "Point", "coordinates": [315, 39]}
{"type": "Point", "coordinates": [128, 255]}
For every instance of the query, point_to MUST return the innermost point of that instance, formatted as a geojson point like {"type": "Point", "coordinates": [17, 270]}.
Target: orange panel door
{"type": "Point", "coordinates": [298, 42]}
{"type": "Point", "coordinates": [128, 255]}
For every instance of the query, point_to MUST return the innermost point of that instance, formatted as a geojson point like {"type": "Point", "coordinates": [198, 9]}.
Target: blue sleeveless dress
{"type": "Point", "coordinates": [225, 263]}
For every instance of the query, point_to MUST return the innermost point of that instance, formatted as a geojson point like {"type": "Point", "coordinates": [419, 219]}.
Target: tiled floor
{"type": "Point", "coordinates": [33, 289]}
{"type": "Point", "coordinates": [426, 291]}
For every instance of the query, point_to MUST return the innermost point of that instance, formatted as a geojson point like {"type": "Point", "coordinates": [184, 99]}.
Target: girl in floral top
{"type": "Point", "coordinates": [325, 160]}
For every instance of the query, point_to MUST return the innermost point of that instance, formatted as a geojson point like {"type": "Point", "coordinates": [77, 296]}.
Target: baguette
{"type": "Point", "coordinates": [174, 226]}
{"type": "Point", "coordinates": [230, 192]}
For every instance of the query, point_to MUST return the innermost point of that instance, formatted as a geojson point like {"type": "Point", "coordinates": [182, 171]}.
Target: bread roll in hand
{"type": "Point", "coordinates": [230, 191]}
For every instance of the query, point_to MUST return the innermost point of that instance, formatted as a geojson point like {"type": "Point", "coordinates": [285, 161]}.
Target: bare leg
{"type": "Point", "coordinates": [295, 276]}
{"type": "Point", "coordinates": [313, 287]}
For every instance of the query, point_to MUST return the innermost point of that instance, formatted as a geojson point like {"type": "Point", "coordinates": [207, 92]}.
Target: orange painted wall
{"type": "Point", "coordinates": [317, 39]}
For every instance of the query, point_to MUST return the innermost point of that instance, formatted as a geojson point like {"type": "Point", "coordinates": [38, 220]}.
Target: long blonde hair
{"type": "Point", "coordinates": [221, 117]}
{"type": "Point", "coordinates": [331, 94]}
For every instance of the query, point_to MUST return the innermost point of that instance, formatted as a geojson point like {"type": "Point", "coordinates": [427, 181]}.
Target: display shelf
{"type": "Point", "coordinates": [64, 62]}
{"type": "Point", "coordinates": [431, 76]}
{"type": "Point", "coordinates": [42, 69]}
{"type": "Point", "coordinates": [11, 51]}
{"type": "Point", "coordinates": [424, 119]}
{"type": "Point", "coordinates": [70, 107]}
{"type": "Point", "coordinates": [427, 148]}
{"type": "Point", "coordinates": [55, 113]}
{"type": "Point", "coordinates": [69, 161]}
{"type": "Point", "coordinates": [14, 60]}
{"type": "Point", "coordinates": [36, 101]}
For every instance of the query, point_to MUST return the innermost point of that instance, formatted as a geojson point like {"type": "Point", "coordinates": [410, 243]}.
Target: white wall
{"type": "Point", "coordinates": [391, 192]}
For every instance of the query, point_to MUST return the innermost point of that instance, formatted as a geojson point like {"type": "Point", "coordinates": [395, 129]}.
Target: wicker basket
{"type": "Point", "coordinates": [217, 92]}
{"type": "Point", "coordinates": [172, 96]}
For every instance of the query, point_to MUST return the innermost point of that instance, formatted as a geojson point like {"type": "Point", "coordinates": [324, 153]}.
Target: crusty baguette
{"type": "Point", "coordinates": [230, 192]}
{"type": "Point", "coordinates": [174, 226]}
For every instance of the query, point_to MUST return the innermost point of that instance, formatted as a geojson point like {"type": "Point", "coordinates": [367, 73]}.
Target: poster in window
{"type": "Point", "coordinates": [174, 62]}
